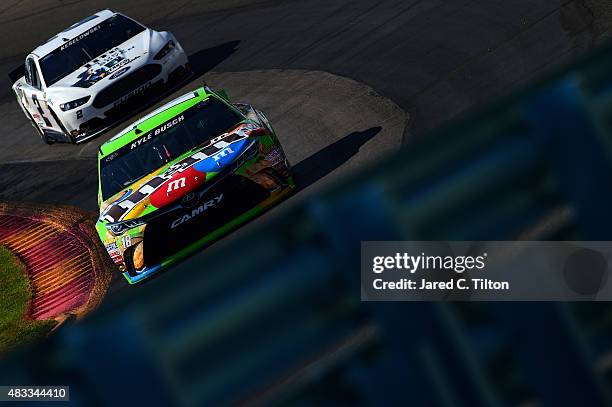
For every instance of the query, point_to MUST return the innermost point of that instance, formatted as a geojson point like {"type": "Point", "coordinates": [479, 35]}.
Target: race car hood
{"type": "Point", "coordinates": [106, 68]}
{"type": "Point", "coordinates": [177, 179]}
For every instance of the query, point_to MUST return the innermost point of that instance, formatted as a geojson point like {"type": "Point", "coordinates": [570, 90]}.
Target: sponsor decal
{"type": "Point", "coordinates": [90, 76]}
{"type": "Point", "coordinates": [119, 72]}
{"type": "Point", "coordinates": [195, 212]}
{"type": "Point", "coordinates": [274, 156]}
{"type": "Point", "coordinates": [156, 131]}
{"type": "Point", "coordinates": [223, 153]}
{"type": "Point", "coordinates": [114, 252]}
{"type": "Point", "coordinates": [216, 157]}
{"type": "Point", "coordinates": [184, 181]}
{"type": "Point", "coordinates": [176, 184]}
{"type": "Point", "coordinates": [111, 157]}
{"type": "Point", "coordinates": [111, 246]}
{"type": "Point", "coordinates": [110, 63]}
{"type": "Point", "coordinates": [116, 58]}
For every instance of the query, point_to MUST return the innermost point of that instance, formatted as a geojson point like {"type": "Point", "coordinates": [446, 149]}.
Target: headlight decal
{"type": "Point", "coordinates": [119, 228]}
{"type": "Point", "coordinates": [165, 50]}
{"type": "Point", "coordinates": [74, 103]}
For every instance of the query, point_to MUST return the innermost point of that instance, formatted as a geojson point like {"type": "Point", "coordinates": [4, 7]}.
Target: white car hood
{"type": "Point", "coordinates": [106, 68]}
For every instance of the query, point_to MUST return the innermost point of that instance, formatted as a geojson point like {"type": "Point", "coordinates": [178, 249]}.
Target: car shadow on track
{"type": "Point", "coordinates": [206, 59]}
{"type": "Point", "coordinates": [324, 161]}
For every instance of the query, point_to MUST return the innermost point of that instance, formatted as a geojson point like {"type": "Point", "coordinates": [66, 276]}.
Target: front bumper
{"type": "Point", "coordinates": [206, 233]}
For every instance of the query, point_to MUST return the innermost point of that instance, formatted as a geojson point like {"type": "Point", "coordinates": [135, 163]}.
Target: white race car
{"type": "Point", "coordinates": [85, 78]}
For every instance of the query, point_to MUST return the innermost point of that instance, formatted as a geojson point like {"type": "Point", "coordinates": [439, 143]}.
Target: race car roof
{"type": "Point", "coordinates": [71, 32]}
{"type": "Point", "coordinates": [152, 120]}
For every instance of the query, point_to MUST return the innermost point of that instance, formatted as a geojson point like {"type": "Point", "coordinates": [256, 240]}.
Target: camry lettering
{"type": "Point", "coordinates": [197, 211]}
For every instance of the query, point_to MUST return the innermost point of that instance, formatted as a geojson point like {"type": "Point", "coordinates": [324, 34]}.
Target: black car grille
{"type": "Point", "coordinates": [135, 104]}
{"type": "Point", "coordinates": [126, 84]}
{"type": "Point", "coordinates": [161, 240]}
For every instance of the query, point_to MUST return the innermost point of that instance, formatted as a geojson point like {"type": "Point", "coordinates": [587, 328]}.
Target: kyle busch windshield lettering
{"type": "Point", "coordinates": [157, 131]}
{"type": "Point", "coordinates": [165, 143]}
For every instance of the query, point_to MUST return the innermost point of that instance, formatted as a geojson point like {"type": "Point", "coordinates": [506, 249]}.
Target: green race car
{"type": "Point", "coordinates": [184, 175]}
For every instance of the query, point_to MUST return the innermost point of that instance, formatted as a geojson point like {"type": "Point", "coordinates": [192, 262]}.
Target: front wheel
{"type": "Point", "coordinates": [45, 138]}
{"type": "Point", "coordinates": [43, 135]}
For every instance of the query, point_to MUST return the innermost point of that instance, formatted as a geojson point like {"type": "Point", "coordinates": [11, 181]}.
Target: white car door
{"type": "Point", "coordinates": [33, 99]}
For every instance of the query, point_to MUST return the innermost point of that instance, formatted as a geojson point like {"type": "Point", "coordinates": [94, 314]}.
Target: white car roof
{"type": "Point", "coordinates": [71, 32]}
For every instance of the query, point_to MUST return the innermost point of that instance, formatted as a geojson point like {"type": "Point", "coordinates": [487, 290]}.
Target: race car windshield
{"type": "Point", "coordinates": [85, 47]}
{"type": "Point", "coordinates": [165, 143]}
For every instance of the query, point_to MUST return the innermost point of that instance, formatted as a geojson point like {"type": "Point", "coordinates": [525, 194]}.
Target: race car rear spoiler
{"type": "Point", "coordinates": [17, 73]}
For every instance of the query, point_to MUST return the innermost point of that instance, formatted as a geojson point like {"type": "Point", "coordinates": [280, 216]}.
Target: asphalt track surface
{"type": "Point", "coordinates": [344, 82]}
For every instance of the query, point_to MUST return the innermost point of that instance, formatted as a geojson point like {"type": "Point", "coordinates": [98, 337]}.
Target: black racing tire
{"type": "Point", "coordinates": [46, 139]}
{"type": "Point", "coordinates": [43, 136]}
